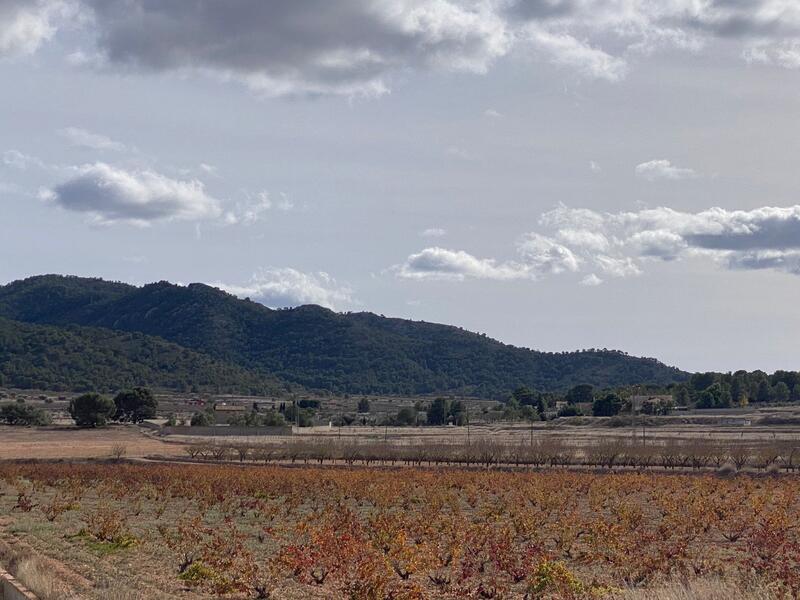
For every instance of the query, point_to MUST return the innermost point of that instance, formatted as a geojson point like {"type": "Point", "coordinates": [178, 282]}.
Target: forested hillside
{"type": "Point", "coordinates": [84, 358]}
{"type": "Point", "coordinates": [318, 348]}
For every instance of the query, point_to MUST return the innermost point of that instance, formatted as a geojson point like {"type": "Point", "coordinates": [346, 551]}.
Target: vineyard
{"type": "Point", "coordinates": [200, 531]}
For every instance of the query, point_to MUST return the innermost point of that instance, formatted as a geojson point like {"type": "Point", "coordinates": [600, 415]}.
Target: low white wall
{"type": "Point", "coordinates": [11, 589]}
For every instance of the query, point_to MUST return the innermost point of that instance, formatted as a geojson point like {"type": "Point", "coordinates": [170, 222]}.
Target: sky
{"type": "Point", "coordinates": [557, 174]}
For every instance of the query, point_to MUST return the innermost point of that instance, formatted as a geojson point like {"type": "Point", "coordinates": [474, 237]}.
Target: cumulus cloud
{"type": "Point", "coordinates": [284, 47]}
{"type": "Point", "coordinates": [278, 288]}
{"type": "Point", "coordinates": [86, 139]}
{"type": "Point", "coordinates": [654, 170]}
{"type": "Point", "coordinates": [583, 238]}
{"type": "Point", "coordinates": [442, 264]}
{"type": "Point", "coordinates": [359, 47]}
{"type": "Point", "coordinates": [761, 238]}
{"type": "Point", "coordinates": [111, 194]}
{"type": "Point", "coordinates": [544, 255]}
{"type": "Point", "coordinates": [624, 244]}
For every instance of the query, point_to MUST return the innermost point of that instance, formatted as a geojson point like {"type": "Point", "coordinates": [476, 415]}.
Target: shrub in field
{"type": "Point", "coordinates": [92, 410]}
{"type": "Point", "coordinates": [135, 405]}
{"type": "Point", "coordinates": [107, 525]}
{"type": "Point", "coordinates": [23, 415]}
{"type": "Point", "coordinates": [202, 419]}
{"type": "Point", "coordinates": [554, 580]}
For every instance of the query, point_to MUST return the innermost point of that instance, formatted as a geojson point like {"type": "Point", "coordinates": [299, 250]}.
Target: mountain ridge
{"type": "Point", "coordinates": [356, 352]}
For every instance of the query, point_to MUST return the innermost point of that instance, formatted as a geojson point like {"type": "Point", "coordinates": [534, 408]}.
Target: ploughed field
{"type": "Point", "coordinates": [203, 531]}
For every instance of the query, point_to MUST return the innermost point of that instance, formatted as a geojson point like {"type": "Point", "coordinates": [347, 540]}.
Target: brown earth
{"type": "Point", "coordinates": [71, 442]}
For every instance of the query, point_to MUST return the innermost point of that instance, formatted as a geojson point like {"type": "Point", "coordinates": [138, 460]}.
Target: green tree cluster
{"type": "Point", "coordinates": [92, 410]}
{"type": "Point", "coordinates": [21, 414]}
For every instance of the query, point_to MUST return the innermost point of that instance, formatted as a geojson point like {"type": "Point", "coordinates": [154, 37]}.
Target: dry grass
{"type": "Point", "coordinates": [704, 589]}
{"type": "Point", "coordinates": [38, 576]}
{"type": "Point", "coordinates": [69, 442]}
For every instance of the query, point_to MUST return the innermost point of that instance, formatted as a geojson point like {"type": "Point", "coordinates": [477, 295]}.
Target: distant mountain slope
{"type": "Point", "coordinates": [313, 346]}
{"type": "Point", "coordinates": [85, 358]}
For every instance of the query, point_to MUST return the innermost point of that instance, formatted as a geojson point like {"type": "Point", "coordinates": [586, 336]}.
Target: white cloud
{"type": "Point", "coordinates": [617, 267]}
{"type": "Point", "coordinates": [544, 255]}
{"type": "Point", "coordinates": [584, 238]}
{"type": "Point", "coordinates": [623, 244]}
{"type": "Point", "coordinates": [282, 287]}
{"type": "Point", "coordinates": [565, 50]}
{"type": "Point", "coordinates": [18, 160]}
{"type": "Point", "coordinates": [491, 113]}
{"type": "Point", "coordinates": [110, 195]}
{"type": "Point", "coordinates": [761, 238]}
{"type": "Point", "coordinates": [359, 47]}
{"type": "Point", "coordinates": [26, 24]}
{"type": "Point", "coordinates": [591, 280]}
{"type": "Point", "coordinates": [433, 232]}
{"type": "Point", "coordinates": [210, 169]}
{"type": "Point", "coordinates": [255, 208]}
{"type": "Point", "coordinates": [443, 264]}
{"type": "Point", "coordinates": [86, 139]}
{"type": "Point", "coordinates": [784, 54]}
{"type": "Point", "coordinates": [653, 170]}
{"type": "Point", "coordinates": [594, 167]}
{"type": "Point", "coordinates": [315, 47]}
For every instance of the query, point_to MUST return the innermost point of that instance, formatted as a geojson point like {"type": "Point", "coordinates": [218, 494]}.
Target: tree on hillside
{"type": "Point", "coordinates": [363, 405]}
{"type": "Point", "coordinates": [135, 405]}
{"type": "Point", "coordinates": [438, 412]}
{"type": "Point", "coordinates": [607, 406]}
{"type": "Point", "coordinates": [580, 394]}
{"type": "Point", "coordinates": [92, 410]}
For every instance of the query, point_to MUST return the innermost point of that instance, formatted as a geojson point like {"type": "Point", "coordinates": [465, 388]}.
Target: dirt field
{"type": "Point", "coordinates": [71, 443]}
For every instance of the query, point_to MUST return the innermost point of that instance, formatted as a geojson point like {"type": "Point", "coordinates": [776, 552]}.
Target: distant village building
{"type": "Point", "coordinates": [736, 421]}
{"type": "Point", "coordinates": [640, 401]}
{"type": "Point", "coordinates": [230, 409]}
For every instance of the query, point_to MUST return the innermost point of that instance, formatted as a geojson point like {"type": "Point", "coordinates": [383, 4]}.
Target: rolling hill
{"type": "Point", "coordinates": [315, 347]}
